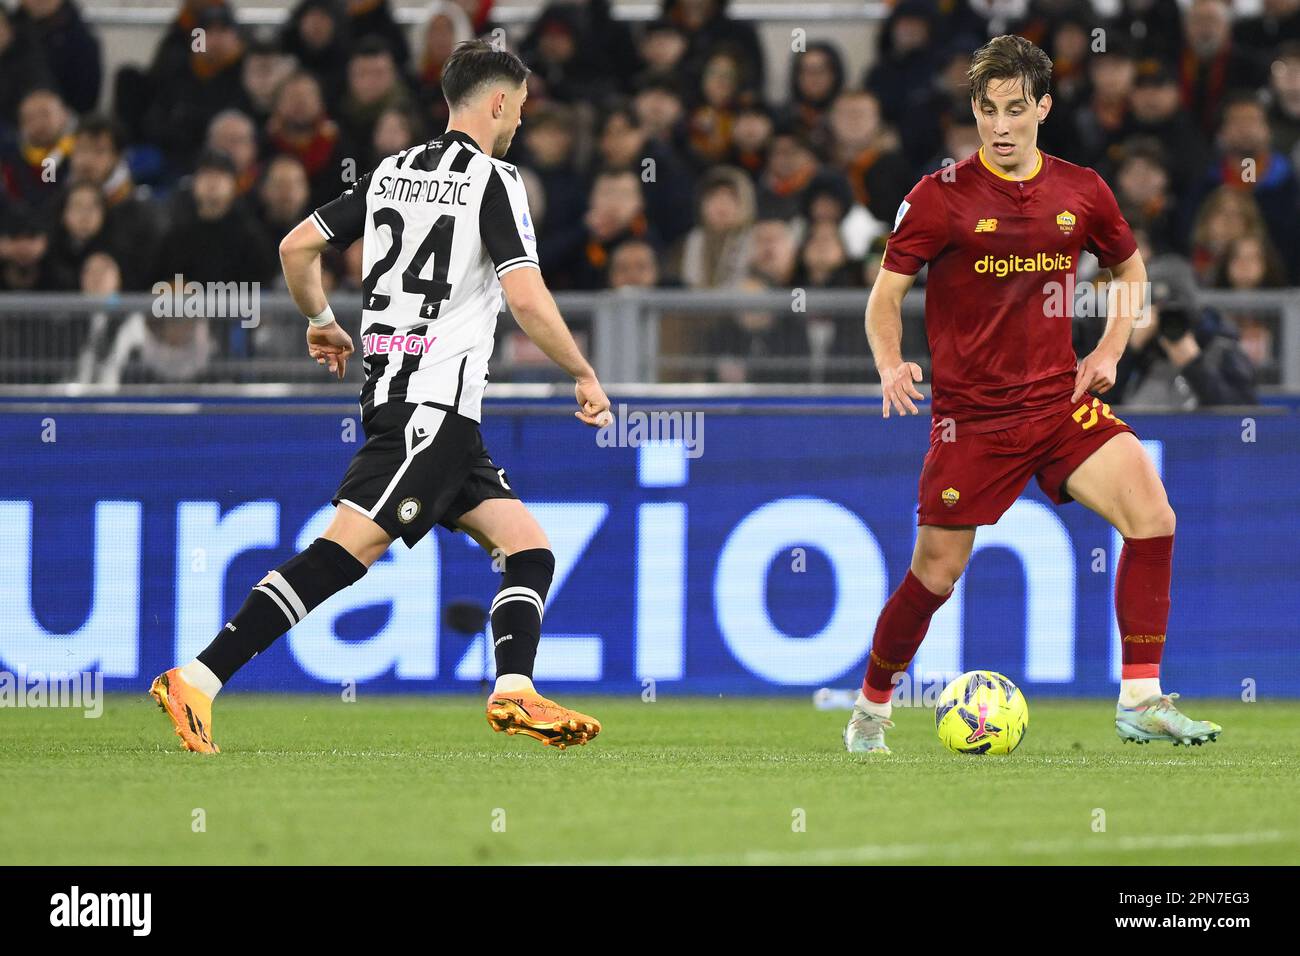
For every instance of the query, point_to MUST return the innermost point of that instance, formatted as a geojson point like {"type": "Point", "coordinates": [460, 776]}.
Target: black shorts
{"type": "Point", "coordinates": [420, 466]}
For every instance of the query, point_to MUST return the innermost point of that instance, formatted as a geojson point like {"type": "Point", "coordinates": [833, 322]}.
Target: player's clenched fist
{"type": "Point", "coordinates": [594, 402]}
{"type": "Point", "coordinates": [330, 345]}
{"type": "Point", "coordinates": [897, 385]}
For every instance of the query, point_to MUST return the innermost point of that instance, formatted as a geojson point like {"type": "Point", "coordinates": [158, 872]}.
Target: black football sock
{"type": "Point", "coordinates": [517, 610]}
{"type": "Point", "coordinates": [285, 597]}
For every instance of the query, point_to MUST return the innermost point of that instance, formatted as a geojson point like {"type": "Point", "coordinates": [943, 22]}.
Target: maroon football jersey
{"type": "Point", "coordinates": [998, 250]}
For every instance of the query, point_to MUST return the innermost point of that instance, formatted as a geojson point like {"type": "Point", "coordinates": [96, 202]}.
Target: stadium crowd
{"type": "Point", "coordinates": [651, 156]}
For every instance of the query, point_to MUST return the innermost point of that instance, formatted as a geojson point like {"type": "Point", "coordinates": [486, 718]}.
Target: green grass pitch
{"type": "Point", "coordinates": [411, 780]}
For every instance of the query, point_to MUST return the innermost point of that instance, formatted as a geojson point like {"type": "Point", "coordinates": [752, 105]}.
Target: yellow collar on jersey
{"type": "Point", "coordinates": [1001, 175]}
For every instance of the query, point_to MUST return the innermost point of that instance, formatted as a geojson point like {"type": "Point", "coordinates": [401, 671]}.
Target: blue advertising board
{"type": "Point", "coordinates": [753, 561]}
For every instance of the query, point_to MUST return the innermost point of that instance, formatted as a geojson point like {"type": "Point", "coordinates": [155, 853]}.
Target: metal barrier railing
{"type": "Point", "coordinates": [513, 14]}
{"type": "Point", "coordinates": [66, 341]}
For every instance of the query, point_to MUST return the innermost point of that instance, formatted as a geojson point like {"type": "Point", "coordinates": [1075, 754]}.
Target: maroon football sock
{"type": "Point", "coordinates": [899, 631]}
{"type": "Point", "coordinates": [1142, 603]}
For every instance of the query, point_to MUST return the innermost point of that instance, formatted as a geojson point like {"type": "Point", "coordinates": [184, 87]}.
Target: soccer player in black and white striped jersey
{"type": "Point", "coordinates": [445, 230]}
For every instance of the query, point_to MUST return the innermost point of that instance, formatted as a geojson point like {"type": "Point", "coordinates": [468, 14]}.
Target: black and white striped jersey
{"type": "Point", "coordinates": [440, 223]}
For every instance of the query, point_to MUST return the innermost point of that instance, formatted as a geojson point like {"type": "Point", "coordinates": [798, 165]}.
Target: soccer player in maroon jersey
{"type": "Point", "coordinates": [1002, 231]}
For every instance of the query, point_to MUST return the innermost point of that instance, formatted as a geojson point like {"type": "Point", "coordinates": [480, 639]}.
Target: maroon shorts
{"type": "Point", "coordinates": [974, 479]}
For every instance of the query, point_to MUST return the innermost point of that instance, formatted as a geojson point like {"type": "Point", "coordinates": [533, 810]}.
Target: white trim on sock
{"type": "Point", "coordinates": [1137, 689]}
{"type": "Point", "coordinates": [199, 676]}
{"type": "Point", "coordinates": [512, 682]}
{"type": "Point", "coordinates": [871, 707]}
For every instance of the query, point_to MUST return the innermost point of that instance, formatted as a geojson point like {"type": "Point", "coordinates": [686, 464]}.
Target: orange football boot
{"type": "Point", "coordinates": [528, 712]}
{"type": "Point", "coordinates": [190, 710]}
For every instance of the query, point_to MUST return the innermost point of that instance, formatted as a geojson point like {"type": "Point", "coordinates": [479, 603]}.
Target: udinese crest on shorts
{"type": "Point", "coordinates": [408, 509]}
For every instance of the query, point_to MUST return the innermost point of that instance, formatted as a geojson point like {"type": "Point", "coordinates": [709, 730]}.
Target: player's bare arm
{"type": "Point", "coordinates": [300, 253]}
{"type": "Point", "coordinates": [885, 336]}
{"type": "Point", "coordinates": [535, 310]}
{"type": "Point", "coordinates": [1124, 300]}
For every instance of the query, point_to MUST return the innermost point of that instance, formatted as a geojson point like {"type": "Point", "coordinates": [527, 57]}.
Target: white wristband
{"type": "Point", "coordinates": [325, 318]}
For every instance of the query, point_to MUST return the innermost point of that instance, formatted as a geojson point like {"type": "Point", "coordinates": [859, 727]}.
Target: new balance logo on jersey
{"type": "Point", "coordinates": [375, 343]}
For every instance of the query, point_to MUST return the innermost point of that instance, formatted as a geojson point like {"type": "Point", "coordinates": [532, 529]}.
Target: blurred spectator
{"type": "Point", "coordinates": [756, 346]}
{"type": "Point", "coordinates": [774, 253]}
{"type": "Point", "coordinates": [1247, 161]}
{"type": "Point", "coordinates": [1102, 120]}
{"type": "Point", "coordinates": [633, 265]}
{"type": "Point", "coordinates": [25, 267]}
{"type": "Point", "coordinates": [24, 257]}
{"type": "Point", "coordinates": [134, 88]}
{"type": "Point", "coordinates": [233, 133]}
{"type": "Point", "coordinates": [1181, 356]}
{"type": "Point", "coordinates": [300, 127]}
{"type": "Point", "coordinates": [194, 90]}
{"type": "Point", "coordinates": [824, 264]}
{"type": "Point", "coordinates": [1284, 101]}
{"type": "Point", "coordinates": [374, 85]}
{"type": "Point", "coordinates": [616, 212]}
{"type": "Point", "coordinates": [549, 145]}
{"type": "Point", "coordinates": [132, 223]}
{"type": "Point", "coordinates": [948, 102]}
{"type": "Point", "coordinates": [1226, 215]}
{"type": "Point", "coordinates": [264, 68]}
{"type": "Point", "coordinates": [33, 163]}
{"type": "Point", "coordinates": [218, 240]}
{"type": "Point", "coordinates": [562, 54]}
{"type": "Point", "coordinates": [662, 48]}
{"type": "Point", "coordinates": [1142, 191]}
{"type": "Point", "coordinates": [903, 74]}
{"type": "Point", "coordinates": [661, 112]}
{"type": "Point", "coordinates": [711, 124]}
{"type": "Point", "coordinates": [158, 350]}
{"type": "Point", "coordinates": [71, 50]}
{"type": "Point", "coordinates": [80, 232]}
{"type": "Point", "coordinates": [395, 130]}
{"type": "Point", "coordinates": [101, 278]}
{"type": "Point", "coordinates": [791, 166]}
{"type": "Point", "coordinates": [829, 199]}
{"type": "Point", "coordinates": [1154, 26]}
{"type": "Point", "coordinates": [374, 19]}
{"type": "Point", "coordinates": [1212, 65]}
{"type": "Point", "coordinates": [716, 252]}
{"type": "Point", "coordinates": [867, 154]}
{"type": "Point", "coordinates": [751, 139]}
{"type": "Point", "coordinates": [22, 68]}
{"type": "Point", "coordinates": [816, 79]}
{"type": "Point", "coordinates": [283, 198]}
{"type": "Point", "coordinates": [708, 30]}
{"type": "Point", "coordinates": [445, 25]}
{"type": "Point", "coordinates": [665, 179]}
{"type": "Point", "coordinates": [317, 36]}
{"type": "Point", "coordinates": [1252, 263]}
{"type": "Point", "coordinates": [1277, 23]}
{"type": "Point", "coordinates": [1157, 112]}
{"type": "Point", "coordinates": [1069, 48]}
{"type": "Point", "coordinates": [961, 138]}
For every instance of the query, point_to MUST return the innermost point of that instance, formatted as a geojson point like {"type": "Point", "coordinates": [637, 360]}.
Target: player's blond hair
{"type": "Point", "coordinates": [1010, 57]}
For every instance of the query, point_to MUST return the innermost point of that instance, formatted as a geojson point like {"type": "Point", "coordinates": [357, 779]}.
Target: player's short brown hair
{"type": "Point", "coordinates": [474, 63]}
{"type": "Point", "coordinates": [1010, 57]}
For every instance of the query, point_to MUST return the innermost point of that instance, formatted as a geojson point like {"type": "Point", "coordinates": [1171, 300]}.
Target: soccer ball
{"type": "Point", "coordinates": [981, 712]}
